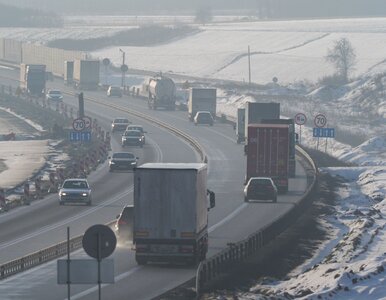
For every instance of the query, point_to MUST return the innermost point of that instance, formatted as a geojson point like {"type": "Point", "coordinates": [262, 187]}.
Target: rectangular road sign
{"type": "Point", "coordinates": [324, 132]}
{"type": "Point", "coordinates": [80, 136]}
{"type": "Point", "coordinates": [85, 271]}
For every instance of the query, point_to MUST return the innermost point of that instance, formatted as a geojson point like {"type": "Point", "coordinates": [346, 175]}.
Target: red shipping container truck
{"type": "Point", "coordinates": [268, 153]}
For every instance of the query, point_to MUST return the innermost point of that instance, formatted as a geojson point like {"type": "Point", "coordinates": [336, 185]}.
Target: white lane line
{"type": "Point", "coordinates": [228, 217]}
{"type": "Point", "coordinates": [66, 221]}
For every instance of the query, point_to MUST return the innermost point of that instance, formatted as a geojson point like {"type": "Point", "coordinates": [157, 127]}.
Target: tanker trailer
{"type": "Point", "coordinates": [162, 92]}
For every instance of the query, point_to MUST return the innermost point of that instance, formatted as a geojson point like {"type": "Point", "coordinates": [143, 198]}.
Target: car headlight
{"type": "Point", "coordinates": [63, 194]}
{"type": "Point", "coordinates": [134, 163]}
{"type": "Point", "coordinates": [84, 194]}
{"type": "Point", "coordinates": [112, 163]}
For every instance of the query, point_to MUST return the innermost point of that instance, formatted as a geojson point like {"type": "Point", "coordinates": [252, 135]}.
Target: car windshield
{"type": "Point", "coordinates": [75, 184]}
{"type": "Point", "coordinates": [121, 121]}
{"type": "Point", "coordinates": [54, 92]}
{"type": "Point", "coordinates": [135, 128]}
{"type": "Point", "coordinates": [132, 133]}
{"type": "Point", "coordinates": [123, 155]}
{"type": "Point", "coordinates": [260, 182]}
{"type": "Point", "coordinates": [204, 115]}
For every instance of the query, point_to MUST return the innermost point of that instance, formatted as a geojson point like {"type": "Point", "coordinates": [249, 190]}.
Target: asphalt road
{"type": "Point", "coordinates": [44, 223]}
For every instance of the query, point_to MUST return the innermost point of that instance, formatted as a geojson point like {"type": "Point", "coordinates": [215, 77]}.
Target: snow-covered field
{"type": "Point", "coordinates": [351, 264]}
{"type": "Point", "coordinates": [290, 50]}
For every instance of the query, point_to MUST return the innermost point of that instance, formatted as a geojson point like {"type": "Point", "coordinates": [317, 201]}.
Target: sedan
{"type": "Point", "coordinates": [122, 161]}
{"type": "Point", "coordinates": [203, 117]}
{"type": "Point", "coordinates": [132, 137]}
{"type": "Point", "coordinates": [75, 190]}
{"type": "Point", "coordinates": [119, 124]}
{"type": "Point", "coordinates": [139, 128]}
{"type": "Point", "coordinates": [54, 95]}
{"type": "Point", "coordinates": [260, 188]}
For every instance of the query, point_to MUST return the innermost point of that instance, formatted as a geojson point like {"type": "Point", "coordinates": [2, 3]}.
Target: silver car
{"type": "Point", "coordinates": [76, 190]}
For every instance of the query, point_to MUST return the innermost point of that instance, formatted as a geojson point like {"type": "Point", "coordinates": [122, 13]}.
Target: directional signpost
{"type": "Point", "coordinates": [319, 131]}
{"type": "Point", "coordinates": [81, 130]}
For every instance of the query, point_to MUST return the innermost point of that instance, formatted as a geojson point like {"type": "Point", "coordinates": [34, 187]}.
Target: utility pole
{"type": "Point", "coordinates": [249, 65]}
{"type": "Point", "coordinates": [123, 68]}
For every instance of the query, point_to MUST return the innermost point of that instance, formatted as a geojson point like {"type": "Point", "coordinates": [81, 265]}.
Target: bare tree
{"type": "Point", "coordinates": [343, 57]}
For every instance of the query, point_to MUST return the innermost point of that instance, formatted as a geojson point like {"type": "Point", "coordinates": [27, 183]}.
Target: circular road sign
{"type": "Point", "coordinates": [78, 124]}
{"type": "Point", "coordinates": [106, 238]}
{"type": "Point", "coordinates": [124, 68]}
{"type": "Point", "coordinates": [300, 119]}
{"type": "Point", "coordinates": [106, 62]}
{"type": "Point", "coordinates": [320, 120]}
{"type": "Point", "coordinates": [87, 122]}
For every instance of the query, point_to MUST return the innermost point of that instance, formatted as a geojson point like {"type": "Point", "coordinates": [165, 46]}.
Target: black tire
{"type": "Point", "coordinates": [246, 199]}
{"type": "Point", "coordinates": [111, 170]}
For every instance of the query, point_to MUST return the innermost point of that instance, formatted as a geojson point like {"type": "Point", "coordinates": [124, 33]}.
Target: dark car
{"type": "Point", "coordinates": [203, 117]}
{"type": "Point", "coordinates": [76, 190]}
{"type": "Point", "coordinates": [119, 124]}
{"type": "Point", "coordinates": [260, 188]}
{"type": "Point", "coordinates": [124, 224]}
{"type": "Point", "coordinates": [122, 161]}
{"type": "Point", "coordinates": [114, 91]}
{"type": "Point", "coordinates": [139, 128]}
{"type": "Point", "coordinates": [132, 138]}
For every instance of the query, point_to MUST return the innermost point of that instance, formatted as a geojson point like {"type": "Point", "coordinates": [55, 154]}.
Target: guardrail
{"type": "Point", "coordinates": [223, 262]}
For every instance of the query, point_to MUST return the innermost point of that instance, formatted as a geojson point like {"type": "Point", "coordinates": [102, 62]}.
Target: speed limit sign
{"type": "Point", "coordinates": [320, 120]}
{"type": "Point", "coordinates": [87, 122]}
{"type": "Point", "coordinates": [300, 119]}
{"type": "Point", "coordinates": [78, 124]}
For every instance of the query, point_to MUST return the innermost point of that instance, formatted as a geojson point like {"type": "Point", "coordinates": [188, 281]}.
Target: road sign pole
{"type": "Point", "coordinates": [68, 265]}
{"type": "Point", "coordinates": [300, 135]}
{"type": "Point", "coordinates": [99, 267]}
{"type": "Point", "coordinates": [325, 149]}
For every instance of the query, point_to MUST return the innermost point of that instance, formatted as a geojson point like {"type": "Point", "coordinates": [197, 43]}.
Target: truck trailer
{"type": "Point", "coordinates": [86, 74]}
{"type": "Point", "coordinates": [240, 125]}
{"type": "Point", "coordinates": [268, 153]}
{"type": "Point", "coordinates": [33, 79]}
{"type": "Point", "coordinates": [68, 72]}
{"type": "Point", "coordinates": [292, 141]}
{"type": "Point", "coordinates": [171, 212]}
{"type": "Point", "coordinates": [201, 99]}
{"type": "Point", "coordinates": [162, 93]}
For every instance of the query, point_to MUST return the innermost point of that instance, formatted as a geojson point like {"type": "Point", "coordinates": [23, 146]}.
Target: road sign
{"type": "Point", "coordinates": [80, 136]}
{"type": "Point", "coordinates": [324, 132]}
{"type": "Point", "coordinates": [78, 124]}
{"type": "Point", "coordinates": [87, 123]}
{"type": "Point", "coordinates": [85, 271]}
{"type": "Point", "coordinates": [300, 119]}
{"type": "Point", "coordinates": [99, 236]}
{"type": "Point", "coordinates": [320, 120]}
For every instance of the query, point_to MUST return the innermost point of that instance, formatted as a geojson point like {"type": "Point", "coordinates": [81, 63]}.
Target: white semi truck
{"type": "Point", "coordinates": [171, 203]}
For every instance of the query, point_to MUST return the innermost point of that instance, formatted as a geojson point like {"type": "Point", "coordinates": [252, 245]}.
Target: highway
{"type": "Point", "coordinates": [44, 223]}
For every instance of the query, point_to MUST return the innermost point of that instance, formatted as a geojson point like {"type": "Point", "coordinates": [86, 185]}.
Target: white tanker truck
{"type": "Point", "coordinates": [162, 92]}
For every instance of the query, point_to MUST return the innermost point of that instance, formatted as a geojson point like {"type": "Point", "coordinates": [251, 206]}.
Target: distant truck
{"type": "Point", "coordinates": [240, 125]}
{"type": "Point", "coordinates": [255, 112]}
{"type": "Point", "coordinates": [68, 72]}
{"type": "Point", "coordinates": [268, 153]}
{"type": "Point", "coordinates": [171, 212]}
{"type": "Point", "coordinates": [292, 141]}
{"type": "Point", "coordinates": [86, 74]}
{"type": "Point", "coordinates": [162, 93]}
{"type": "Point", "coordinates": [201, 99]}
{"type": "Point", "coordinates": [33, 79]}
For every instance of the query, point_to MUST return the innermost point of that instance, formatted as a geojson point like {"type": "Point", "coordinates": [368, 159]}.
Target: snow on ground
{"type": "Point", "coordinates": [290, 50]}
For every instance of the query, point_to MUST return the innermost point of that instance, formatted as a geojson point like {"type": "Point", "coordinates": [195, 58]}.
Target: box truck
{"type": "Point", "coordinates": [86, 74]}
{"type": "Point", "coordinates": [268, 153]}
{"type": "Point", "coordinates": [202, 100]}
{"type": "Point", "coordinates": [171, 203]}
{"type": "Point", "coordinates": [33, 79]}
